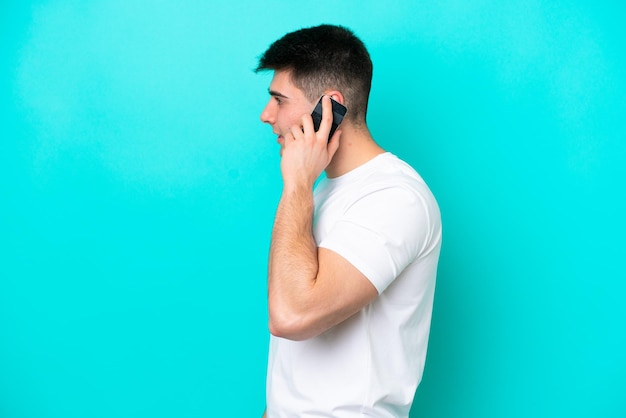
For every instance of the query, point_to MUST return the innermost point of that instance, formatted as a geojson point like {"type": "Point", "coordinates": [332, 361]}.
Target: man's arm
{"type": "Point", "coordinates": [310, 289]}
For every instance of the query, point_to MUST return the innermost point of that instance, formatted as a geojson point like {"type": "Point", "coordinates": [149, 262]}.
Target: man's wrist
{"type": "Point", "coordinates": [297, 186]}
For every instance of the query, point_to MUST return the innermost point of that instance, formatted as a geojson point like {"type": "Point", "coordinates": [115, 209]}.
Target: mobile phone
{"type": "Point", "coordinates": [339, 111]}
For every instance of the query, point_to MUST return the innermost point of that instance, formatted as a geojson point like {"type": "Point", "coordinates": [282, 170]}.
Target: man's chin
{"type": "Point", "coordinates": [280, 140]}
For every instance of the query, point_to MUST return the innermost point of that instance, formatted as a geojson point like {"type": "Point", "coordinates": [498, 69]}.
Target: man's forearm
{"type": "Point", "coordinates": [293, 263]}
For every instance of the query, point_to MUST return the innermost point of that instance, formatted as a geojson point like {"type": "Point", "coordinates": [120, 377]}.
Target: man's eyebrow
{"type": "Point", "coordinates": [277, 94]}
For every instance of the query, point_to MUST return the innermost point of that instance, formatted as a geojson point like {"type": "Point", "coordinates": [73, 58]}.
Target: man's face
{"type": "Point", "coordinates": [286, 106]}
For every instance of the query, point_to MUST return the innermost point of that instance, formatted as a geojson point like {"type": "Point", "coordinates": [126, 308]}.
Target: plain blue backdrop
{"type": "Point", "coordinates": [137, 191]}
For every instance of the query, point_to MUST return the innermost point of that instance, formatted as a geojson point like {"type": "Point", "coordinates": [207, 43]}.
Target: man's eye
{"type": "Point", "coordinates": [278, 100]}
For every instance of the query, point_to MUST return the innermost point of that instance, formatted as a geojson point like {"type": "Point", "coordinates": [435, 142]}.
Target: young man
{"type": "Point", "coordinates": [352, 264]}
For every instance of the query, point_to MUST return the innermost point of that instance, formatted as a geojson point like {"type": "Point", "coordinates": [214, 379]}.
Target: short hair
{"type": "Point", "coordinates": [324, 57]}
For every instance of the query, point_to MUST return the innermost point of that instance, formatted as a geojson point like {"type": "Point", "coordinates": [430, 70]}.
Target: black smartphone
{"type": "Point", "coordinates": [339, 111]}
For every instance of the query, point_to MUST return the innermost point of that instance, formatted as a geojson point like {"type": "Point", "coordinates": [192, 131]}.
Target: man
{"type": "Point", "coordinates": [352, 265]}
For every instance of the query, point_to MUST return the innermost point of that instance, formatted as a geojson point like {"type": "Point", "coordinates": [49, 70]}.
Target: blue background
{"type": "Point", "coordinates": [137, 190]}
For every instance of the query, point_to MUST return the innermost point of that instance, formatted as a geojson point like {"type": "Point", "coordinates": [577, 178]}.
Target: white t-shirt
{"type": "Point", "coordinates": [384, 220]}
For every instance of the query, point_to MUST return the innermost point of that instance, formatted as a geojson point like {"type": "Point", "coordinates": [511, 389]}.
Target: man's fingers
{"type": "Point", "coordinates": [307, 123]}
{"type": "Point", "coordinates": [327, 116]}
{"type": "Point", "coordinates": [333, 144]}
{"type": "Point", "coordinates": [296, 133]}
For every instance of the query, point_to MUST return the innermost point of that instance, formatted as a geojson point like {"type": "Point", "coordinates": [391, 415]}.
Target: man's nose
{"type": "Point", "coordinates": [268, 115]}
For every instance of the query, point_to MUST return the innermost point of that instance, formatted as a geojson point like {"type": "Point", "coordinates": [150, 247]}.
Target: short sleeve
{"type": "Point", "coordinates": [382, 232]}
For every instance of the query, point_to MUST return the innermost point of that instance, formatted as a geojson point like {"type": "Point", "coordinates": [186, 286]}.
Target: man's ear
{"type": "Point", "coordinates": [336, 96]}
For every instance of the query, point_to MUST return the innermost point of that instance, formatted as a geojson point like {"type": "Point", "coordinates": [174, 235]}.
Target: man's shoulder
{"type": "Point", "coordinates": [382, 177]}
{"type": "Point", "coordinates": [391, 172]}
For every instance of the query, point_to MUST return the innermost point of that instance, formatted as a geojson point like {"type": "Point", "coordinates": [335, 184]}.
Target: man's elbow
{"type": "Point", "coordinates": [291, 326]}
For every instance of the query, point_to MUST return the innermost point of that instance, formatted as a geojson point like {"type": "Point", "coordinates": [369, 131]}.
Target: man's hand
{"type": "Point", "coordinates": [307, 153]}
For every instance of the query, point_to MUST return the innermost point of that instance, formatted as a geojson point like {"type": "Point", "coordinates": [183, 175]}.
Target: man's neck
{"type": "Point", "coordinates": [356, 147]}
